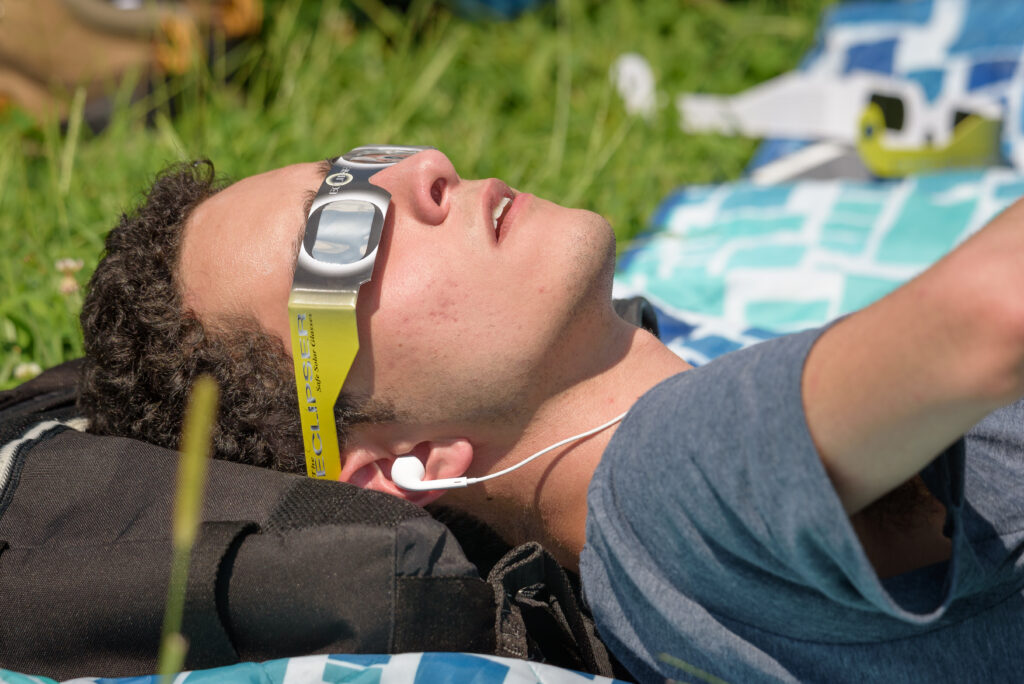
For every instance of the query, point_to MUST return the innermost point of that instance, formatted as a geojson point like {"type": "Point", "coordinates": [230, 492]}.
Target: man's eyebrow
{"type": "Point", "coordinates": [307, 203]}
{"type": "Point", "coordinates": [323, 168]}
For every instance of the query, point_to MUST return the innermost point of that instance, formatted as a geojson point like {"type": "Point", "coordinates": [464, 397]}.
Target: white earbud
{"type": "Point", "coordinates": [407, 471]}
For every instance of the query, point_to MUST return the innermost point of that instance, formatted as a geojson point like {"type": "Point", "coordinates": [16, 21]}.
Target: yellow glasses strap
{"type": "Point", "coordinates": [324, 345]}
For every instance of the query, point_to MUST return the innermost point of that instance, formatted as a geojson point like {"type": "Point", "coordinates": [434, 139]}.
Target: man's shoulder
{"type": "Point", "coordinates": [731, 388]}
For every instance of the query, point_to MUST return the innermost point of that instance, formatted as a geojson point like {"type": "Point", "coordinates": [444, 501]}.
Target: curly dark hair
{"type": "Point", "coordinates": [144, 349]}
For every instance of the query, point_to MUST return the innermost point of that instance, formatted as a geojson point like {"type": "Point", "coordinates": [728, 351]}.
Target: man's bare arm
{"type": "Point", "coordinates": [890, 387]}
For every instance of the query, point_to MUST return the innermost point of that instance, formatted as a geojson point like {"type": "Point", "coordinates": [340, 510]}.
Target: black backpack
{"type": "Point", "coordinates": [283, 566]}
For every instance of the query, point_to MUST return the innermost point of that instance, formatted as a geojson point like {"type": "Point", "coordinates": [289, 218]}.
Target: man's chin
{"type": "Point", "coordinates": [604, 266]}
{"type": "Point", "coordinates": [594, 277]}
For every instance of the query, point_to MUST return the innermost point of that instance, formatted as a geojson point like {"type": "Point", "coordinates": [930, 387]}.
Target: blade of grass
{"type": "Point", "coordinates": [424, 85]}
{"type": "Point", "coordinates": [169, 136]}
{"type": "Point", "coordinates": [7, 155]}
{"type": "Point", "coordinates": [379, 13]}
{"type": "Point", "coordinates": [691, 670]}
{"type": "Point", "coordinates": [192, 465]}
{"type": "Point", "coordinates": [67, 157]}
{"type": "Point", "coordinates": [590, 172]}
{"type": "Point", "coordinates": [563, 92]}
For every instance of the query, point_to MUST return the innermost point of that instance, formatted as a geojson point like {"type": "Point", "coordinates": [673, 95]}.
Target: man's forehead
{"type": "Point", "coordinates": [240, 244]}
{"type": "Point", "coordinates": [275, 191]}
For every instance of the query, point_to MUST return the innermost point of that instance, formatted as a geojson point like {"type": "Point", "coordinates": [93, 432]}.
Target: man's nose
{"type": "Point", "coordinates": [421, 185]}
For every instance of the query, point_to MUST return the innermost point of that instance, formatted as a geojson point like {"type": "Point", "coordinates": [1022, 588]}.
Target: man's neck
{"type": "Point", "coordinates": [545, 501]}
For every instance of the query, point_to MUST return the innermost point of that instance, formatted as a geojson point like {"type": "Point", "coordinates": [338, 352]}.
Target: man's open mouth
{"type": "Point", "coordinates": [499, 213]}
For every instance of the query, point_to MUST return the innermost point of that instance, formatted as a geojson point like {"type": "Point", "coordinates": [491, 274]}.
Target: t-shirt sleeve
{"type": "Point", "coordinates": [711, 495]}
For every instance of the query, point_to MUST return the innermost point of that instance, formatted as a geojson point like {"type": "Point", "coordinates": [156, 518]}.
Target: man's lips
{"type": "Point", "coordinates": [501, 205]}
{"type": "Point", "coordinates": [495, 196]}
{"type": "Point", "coordinates": [511, 213]}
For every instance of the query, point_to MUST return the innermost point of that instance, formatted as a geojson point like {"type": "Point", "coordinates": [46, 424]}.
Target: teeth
{"type": "Point", "coordinates": [498, 210]}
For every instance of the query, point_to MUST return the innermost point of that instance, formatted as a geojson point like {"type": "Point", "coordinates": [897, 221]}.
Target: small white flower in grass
{"type": "Point", "coordinates": [27, 370]}
{"type": "Point", "coordinates": [68, 267]}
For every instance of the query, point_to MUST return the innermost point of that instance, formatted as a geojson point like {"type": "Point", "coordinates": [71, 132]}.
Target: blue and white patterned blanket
{"type": "Point", "coordinates": [407, 668]}
{"type": "Point", "coordinates": [730, 265]}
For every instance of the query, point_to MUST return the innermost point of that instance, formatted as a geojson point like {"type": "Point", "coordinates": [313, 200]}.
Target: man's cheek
{"type": "Point", "coordinates": [447, 306]}
{"type": "Point", "coordinates": [432, 297]}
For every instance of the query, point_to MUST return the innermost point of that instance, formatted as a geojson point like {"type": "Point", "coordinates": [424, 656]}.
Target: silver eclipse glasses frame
{"type": "Point", "coordinates": [348, 182]}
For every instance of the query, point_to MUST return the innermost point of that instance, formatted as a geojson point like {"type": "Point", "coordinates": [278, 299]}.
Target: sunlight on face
{"type": "Point", "coordinates": [460, 320]}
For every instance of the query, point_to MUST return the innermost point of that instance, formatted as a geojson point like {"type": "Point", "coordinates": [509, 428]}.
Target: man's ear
{"type": "Point", "coordinates": [368, 464]}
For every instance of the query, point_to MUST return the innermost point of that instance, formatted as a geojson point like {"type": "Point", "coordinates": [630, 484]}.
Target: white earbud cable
{"type": "Point", "coordinates": [588, 433]}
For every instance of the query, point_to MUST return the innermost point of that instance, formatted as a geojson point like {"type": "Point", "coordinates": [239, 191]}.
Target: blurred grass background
{"type": "Point", "coordinates": [527, 100]}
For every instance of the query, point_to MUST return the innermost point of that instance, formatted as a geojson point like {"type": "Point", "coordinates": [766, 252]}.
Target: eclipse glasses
{"type": "Point", "coordinates": [336, 257]}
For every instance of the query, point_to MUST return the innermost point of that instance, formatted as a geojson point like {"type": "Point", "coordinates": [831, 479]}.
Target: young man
{"type": "Point", "coordinates": [739, 525]}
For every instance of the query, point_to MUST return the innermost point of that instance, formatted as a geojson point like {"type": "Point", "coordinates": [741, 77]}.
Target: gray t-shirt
{"type": "Point", "coordinates": [718, 550]}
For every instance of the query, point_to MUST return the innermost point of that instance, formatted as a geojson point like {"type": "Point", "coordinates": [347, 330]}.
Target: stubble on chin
{"type": "Point", "coordinates": [594, 269]}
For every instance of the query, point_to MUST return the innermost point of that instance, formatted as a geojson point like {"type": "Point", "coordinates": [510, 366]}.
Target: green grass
{"type": "Point", "coordinates": [528, 101]}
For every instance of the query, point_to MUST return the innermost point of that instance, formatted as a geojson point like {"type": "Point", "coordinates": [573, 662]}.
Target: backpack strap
{"type": "Point", "coordinates": [12, 452]}
{"type": "Point", "coordinates": [206, 616]}
{"type": "Point", "coordinates": [445, 609]}
{"type": "Point", "coordinates": [638, 311]}
{"type": "Point", "coordinates": [539, 615]}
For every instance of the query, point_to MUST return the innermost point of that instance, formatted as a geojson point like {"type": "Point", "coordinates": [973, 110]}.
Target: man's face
{"type": "Point", "coordinates": [459, 322]}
